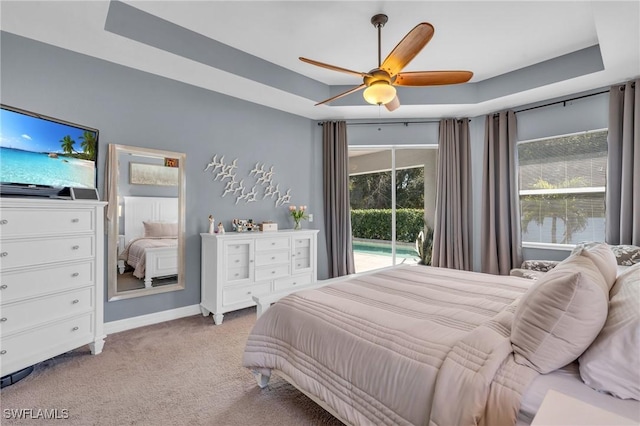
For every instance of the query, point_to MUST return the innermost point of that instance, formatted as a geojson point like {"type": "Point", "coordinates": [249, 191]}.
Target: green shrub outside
{"type": "Point", "coordinates": [375, 224]}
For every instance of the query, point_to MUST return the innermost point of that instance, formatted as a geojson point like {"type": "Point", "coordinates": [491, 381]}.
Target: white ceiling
{"type": "Point", "coordinates": [491, 39]}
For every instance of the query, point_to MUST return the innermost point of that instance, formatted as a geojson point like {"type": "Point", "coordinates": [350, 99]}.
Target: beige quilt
{"type": "Point", "coordinates": [410, 345]}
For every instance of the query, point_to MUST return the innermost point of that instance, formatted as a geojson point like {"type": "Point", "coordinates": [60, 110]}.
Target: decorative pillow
{"type": "Point", "coordinates": [539, 265]}
{"type": "Point", "coordinates": [560, 315]}
{"type": "Point", "coordinates": [626, 255]}
{"type": "Point", "coordinates": [160, 229]}
{"type": "Point", "coordinates": [612, 362]}
{"type": "Point", "coordinates": [526, 273]}
{"type": "Point", "coordinates": [601, 256]}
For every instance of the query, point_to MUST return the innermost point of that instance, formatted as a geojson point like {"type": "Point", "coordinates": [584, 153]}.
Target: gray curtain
{"type": "Point", "coordinates": [453, 221]}
{"type": "Point", "coordinates": [623, 165]}
{"type": "Point", "coordinates": [500, 234]}
{"type": "Point", "coordinates": [337, 215]}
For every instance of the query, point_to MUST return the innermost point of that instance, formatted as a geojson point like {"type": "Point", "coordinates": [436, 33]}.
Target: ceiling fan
{"type": "Point", "coordinates": [379, 81]}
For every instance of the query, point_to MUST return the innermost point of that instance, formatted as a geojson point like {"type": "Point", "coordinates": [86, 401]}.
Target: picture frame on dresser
{"type": "Point", "coordinates": [52, 289]}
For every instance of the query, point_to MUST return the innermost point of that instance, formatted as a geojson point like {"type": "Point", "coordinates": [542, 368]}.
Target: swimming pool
{"type": "Point", "coordinates": [384, 249]}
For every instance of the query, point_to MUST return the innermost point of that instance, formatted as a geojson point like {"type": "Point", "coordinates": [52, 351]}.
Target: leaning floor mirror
{"type": "Point", "coordinates": [145, 221]}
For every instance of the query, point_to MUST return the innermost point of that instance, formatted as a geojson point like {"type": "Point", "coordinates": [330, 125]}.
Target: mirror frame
{"type": "Point", "coordinates": [113, 221]}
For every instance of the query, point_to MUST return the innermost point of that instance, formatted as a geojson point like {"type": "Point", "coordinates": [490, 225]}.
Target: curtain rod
{"type": "Point", "coordinates": [563, 102]}
{"type": "Point", "coordinates": [405, 123]}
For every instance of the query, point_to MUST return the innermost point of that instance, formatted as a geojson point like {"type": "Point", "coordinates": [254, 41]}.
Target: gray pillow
{"type": "Point", "coordinates": [560, 315]}
{"type": "Point", "coordinates": [160, 229]}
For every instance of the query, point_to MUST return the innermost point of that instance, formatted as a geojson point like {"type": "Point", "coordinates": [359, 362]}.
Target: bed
{"type": "Point", "coordinates": [414, 345]}
{"type": "Point", "coordinates": [149, 244]}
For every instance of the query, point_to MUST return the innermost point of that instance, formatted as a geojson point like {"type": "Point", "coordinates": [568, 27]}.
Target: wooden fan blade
{"type": "Point", "coordinates": [334, 68]}
{"type": "Point", "coordinates": [432, 78]}
{"type": "Point", "coordinates": [408, 48]}
{"type": "Point", "coordinates": [393, 104]}
{"type": "Point", "coordinates": [348, 92]}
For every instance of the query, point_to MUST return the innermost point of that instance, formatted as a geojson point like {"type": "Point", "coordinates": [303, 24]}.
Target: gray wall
{"type": "Point", "coordinates": [131, 107]}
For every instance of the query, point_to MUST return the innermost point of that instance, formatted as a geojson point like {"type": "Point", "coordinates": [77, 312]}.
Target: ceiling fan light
{"type": "Point", "coordinates": [379, 93]}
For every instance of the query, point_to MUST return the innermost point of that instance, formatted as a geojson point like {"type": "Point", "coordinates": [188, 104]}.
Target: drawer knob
{"type": "Point", "coordinates": [4, 254]}
{"type": "Point", "coordinates": [2, 352]}
{"type": "Point", "coordinates": [3, 287]}
{"type": "Point", "coordinates": [4, 222]}
{"type": "Point", "coordinates": [75, 301]}
{"type": "Point", "coordinates": [248, 292]}
{"type": "Point", "coordinates": [251, 261]}
{"type": "Point", "coordinates": [273, 272]}
{"type": "Point", "coordinates": [75, 247]}
{"type": "Point", "coordinates": [273, 258]}
{"type": "Point", "coordinates": [237, 274]}
{"type": "Point", "coordinates": [294, 283]}
{"type": "Point", "coordinates": [273, 244]}
{"type": "Point", "coordinates": [237, 260]}
{"type": "Point", "coordinates": [75, 274]}
{"type": "Point", "coordinates": [76, 328]}
{"type": "Point", "coordinates": [3, 319]}
{"type": "Point", "coordinates": [75, 220]}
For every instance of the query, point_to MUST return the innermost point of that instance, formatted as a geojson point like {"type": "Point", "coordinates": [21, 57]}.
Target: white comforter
{"type": "Point", "coordinates": [410, 345]}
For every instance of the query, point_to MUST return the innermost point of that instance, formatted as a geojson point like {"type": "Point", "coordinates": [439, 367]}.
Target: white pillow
{"type": "Point", "coordinates": [560, 315]}
{"type": "Point", "coordinates": [160, 229]}
{"type": "Point", "coordinates": [604, 259]}
{"type": "Point", "coordinates": [612, 363]}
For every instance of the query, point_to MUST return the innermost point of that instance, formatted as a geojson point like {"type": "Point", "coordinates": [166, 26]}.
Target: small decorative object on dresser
{"type": "Point", "coordinates": [298, 214]}
{"type": "Point", "coordinates": [52, 279]}
{"type": "Point", "coordinates": [237, 266]}
{"type": "Point", "coordinates": [212, 224]}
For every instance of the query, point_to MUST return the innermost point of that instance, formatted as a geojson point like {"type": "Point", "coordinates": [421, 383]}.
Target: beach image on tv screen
{"type": "Point", "coordinates": [42, 152]}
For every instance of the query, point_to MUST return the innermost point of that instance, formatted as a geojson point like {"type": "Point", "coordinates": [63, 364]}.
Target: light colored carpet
{"type": "Point", "coordinates": [181, 372]}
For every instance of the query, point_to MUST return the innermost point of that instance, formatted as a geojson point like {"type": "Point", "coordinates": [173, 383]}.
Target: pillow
{"type": "Point", "coordinates": [626, 255]}
{"type": "Point", "coordinates": [604, 259]}
{"type": "Point", "coordinates": [160, 229]}
{"type": "Point", "coordinates": [560, 315]}
{"type": "Point", "coordinates": [612, 362]}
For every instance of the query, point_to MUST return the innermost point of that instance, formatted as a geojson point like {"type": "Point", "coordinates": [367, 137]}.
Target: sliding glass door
{"type": "Point", "coordinates": [392, 192]}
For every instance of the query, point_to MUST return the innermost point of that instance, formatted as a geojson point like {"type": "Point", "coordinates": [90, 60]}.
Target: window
{"type": "Point", "coordinates": [562, 188]}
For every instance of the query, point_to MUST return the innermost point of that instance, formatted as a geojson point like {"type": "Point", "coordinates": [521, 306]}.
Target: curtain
{"type": "Point", "coordinates": [500, 234]}
{"type": "Point", "coordinates": [453, 221]}
{"type": "Point", "coordinates": [337, 214]}
{"type": "Point", "coordinates": [623, 166]}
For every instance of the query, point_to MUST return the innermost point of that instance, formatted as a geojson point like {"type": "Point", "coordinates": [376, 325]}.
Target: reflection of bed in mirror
{"type": "Point", "coordinates": [150, 241]}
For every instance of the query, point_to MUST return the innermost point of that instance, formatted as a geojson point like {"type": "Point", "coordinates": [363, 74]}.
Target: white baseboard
{"type": "Point", "coordinates": [149, 319]}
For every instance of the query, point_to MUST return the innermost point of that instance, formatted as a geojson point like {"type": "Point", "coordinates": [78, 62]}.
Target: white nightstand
{"type": "Point", "coordinates": [558, 409]}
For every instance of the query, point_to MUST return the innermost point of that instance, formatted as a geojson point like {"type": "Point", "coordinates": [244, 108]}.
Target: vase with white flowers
{"type": "Point", "coordinates": [298, 214]}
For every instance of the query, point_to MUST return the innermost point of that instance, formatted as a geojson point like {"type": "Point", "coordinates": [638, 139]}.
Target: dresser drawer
{"type": "Point", "coordinates": [237, 260]}
{"type": "Point", "coordinates": [233, 295]}
{"type": "Point", "coordinates": [271, 272]}
{"type": "Point", "coordinates": [301, 242]}
{"type": "Point", "coordinates": [272, 257]}
{"type": "Point", "coordinates": [235, 274]}
{"type": "Point", "coordinates": [295, 281]}
{"type": "Point", "coordinates": [17, 253]}
{"type": "Point", "coordinates": [62, 336]}
{"type": "Point", "coordinates": [272, 243]}
{"type": "Point", "coordinates": [302, 263]}
{"type": "Point", "coordinates": [33, 282]}
{"type": "Point", "coordinates": [26, 222]}
{"type": "Point", "coordinates": [32, 312]}
{"type": "Point", "coordinates": [237, 248]}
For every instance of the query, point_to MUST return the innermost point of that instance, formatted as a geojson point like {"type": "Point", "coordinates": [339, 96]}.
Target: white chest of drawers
{"type": "Point", "coordinates": [51, 287]}
{"type": "Point", "coordinates": [237, 266]}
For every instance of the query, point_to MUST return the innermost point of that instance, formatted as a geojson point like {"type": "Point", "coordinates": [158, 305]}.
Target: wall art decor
{"type": "Point", "coordinates": [263, 186]}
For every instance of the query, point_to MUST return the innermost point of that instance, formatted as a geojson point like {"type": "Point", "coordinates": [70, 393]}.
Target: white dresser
{"type": "Point", "coordinates": [237, 266]}
{"type": "Point", "coordinates": [52, 279]}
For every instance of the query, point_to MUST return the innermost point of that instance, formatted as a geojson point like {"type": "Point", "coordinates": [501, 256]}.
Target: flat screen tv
{"type": "Point", "coordinates": [44, 156]}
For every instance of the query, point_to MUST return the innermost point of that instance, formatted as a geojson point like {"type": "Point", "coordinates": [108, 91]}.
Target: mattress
{"type": "Point", "coordinates": [567, 381]}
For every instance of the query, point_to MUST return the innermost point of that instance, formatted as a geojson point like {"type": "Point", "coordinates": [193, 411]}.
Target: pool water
{"type": "Point", "coordinates": [384, 249]}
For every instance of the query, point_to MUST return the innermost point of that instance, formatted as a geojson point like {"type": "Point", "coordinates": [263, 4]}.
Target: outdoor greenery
{"type": "Point", "coordinates": [88, 145]}
{"type": "Point", "coordinates": [375, 224]}
{"type": "Point", "coordinates": [373, 190]}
